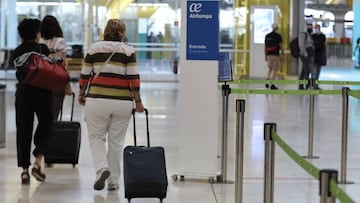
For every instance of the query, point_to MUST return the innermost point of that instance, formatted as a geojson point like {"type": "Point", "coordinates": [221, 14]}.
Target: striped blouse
{"type": "Point", "coordinates": [118, 78]}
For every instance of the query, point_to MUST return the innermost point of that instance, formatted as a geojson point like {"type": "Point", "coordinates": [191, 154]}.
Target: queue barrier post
{"type": "Point", "coordinates": [344, 135]}
{"type": "Point", "coordinates": [2, 116]}
{"type": "Point", "coordinates": [311, 85]}
{"type": "Point", "coordinates": [326, 175]}
{"type": "Point", "coordinates": [239, 154]}
{"type": "Point", "coordinates": [269, 162]}
{"type": "Point", "coordinates": [225, 111]}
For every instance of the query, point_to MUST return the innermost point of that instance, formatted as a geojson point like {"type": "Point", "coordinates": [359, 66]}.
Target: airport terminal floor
{"type": "Point", "coordinates": [66, 184]}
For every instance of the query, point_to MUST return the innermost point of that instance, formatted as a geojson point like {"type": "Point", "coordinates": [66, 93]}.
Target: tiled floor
{"type": "Point", "coordinates": [66, 184]}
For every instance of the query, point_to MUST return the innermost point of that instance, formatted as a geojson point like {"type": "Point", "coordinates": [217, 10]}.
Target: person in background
{"type": "Point", "coordinates": [319, 40]}
{"type": "Point", "coordinates": [150, 40]}
{"type": "Point", "coordinates": [31, 100]}
{"type": "Point", "coordinates": [110, 98]}
{"type": "Point", "coordinates": [306, 47]}
{"type": "Point", "coordinates": [52, 36]}
{"type": "Point", "coordinates": [273, 45]}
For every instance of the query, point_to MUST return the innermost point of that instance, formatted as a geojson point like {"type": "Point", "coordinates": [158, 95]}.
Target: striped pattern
{"type": "Point", "coordinates": [117, 78]}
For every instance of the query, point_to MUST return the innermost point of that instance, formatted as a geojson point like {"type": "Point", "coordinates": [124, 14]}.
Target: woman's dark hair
{"type": "Point", "coordinates": [50, 28]}
{"type": "Point", "coordinates": [28, 29]}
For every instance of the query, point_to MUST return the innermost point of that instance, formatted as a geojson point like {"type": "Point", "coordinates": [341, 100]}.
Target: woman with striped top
{"type": "Point", "coordinates": [111, 78]}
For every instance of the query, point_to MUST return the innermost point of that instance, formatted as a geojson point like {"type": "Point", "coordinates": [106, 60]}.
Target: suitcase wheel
{"type": "Point", "coordinates": [182, 178]}
{"type": "Point", "coordinates": [175, 177]}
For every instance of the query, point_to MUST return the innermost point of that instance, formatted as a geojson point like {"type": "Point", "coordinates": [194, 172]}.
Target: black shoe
{"type": "Point", "coordinates": [101, 177]}
{"type": "Point", "coordinates": [36, 172]}
{"type": "Point", "coordinates": [267, 85]}
{"type": "Point", "coordinates": [273, 87]}
{"type": "Point", "coordinates": [25, 178]}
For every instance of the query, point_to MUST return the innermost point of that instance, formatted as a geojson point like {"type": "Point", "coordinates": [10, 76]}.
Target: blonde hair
{"type": "Point", "coordinates": [115, 30]}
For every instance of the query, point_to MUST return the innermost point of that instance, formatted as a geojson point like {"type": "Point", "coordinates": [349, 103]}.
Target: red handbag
{"type": "Point", "coordinates": [40, 71]}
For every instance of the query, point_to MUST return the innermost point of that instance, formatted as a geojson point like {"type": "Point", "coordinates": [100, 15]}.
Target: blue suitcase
{"type": "Point", "coordinates": [144, 169]}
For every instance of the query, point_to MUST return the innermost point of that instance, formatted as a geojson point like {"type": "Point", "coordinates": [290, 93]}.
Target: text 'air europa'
{"type": "Point", "coordinates": [195, 9]}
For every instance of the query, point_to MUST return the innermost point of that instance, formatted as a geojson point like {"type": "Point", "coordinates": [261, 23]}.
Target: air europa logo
{"type": "Point", "coordinates": [195, 9]}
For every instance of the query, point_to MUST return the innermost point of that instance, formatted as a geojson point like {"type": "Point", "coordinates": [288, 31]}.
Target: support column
{"type": "Point", "coordinates": [89, 27]}
{"type": "Point", "coordinates": [297, 25]}
{"type": "Point", "coordinates": [2, 23]}
{"type": "Point", "coordinates": [8, 24]}
{"type": "Point", "coordinates": [198, 91]}
{"type": "Point", "coordinates": [339, 24]}
{"type": "Point", "coordinates": [12, 23]}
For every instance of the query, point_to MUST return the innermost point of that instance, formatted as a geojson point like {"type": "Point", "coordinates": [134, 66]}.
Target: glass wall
{"type": "Point", "coordinates": [338, 28]}
{"type": "Point", "coordinates": [69, 15]}
{"type": "Point", "coordinates": [242, 36]}
{"type": "Point", "coordinates": [153, 26]}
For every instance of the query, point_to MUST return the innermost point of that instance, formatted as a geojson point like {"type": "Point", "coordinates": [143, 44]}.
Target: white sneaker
{"type": "Point", "coordinates": [101, 177]}
{"type": "Point", "coordinates": [113, 186]}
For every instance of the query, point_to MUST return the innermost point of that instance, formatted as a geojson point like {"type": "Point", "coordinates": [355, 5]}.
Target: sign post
{"type": "Point", "coordinates": [198, 89]}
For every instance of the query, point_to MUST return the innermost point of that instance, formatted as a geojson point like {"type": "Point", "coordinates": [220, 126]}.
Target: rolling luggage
{"type": "Point", "coordinates": [144, 169]}
{"type": "Point", "coordinates": [64, 143]}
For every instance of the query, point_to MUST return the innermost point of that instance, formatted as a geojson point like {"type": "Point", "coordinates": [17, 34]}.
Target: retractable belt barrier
{"type": "Point", "coordinates": [329, 189]}
{"type": "Point", "coordinates": [290, 82]}
{"type": "Point", "coordinates": [292, 92]}
{"type": "Point", "coordinates": [335, 190]}
{"type": "Point", "coordinates": [294, 82]}
{"type": "Point", "coordinates": [355, 94]}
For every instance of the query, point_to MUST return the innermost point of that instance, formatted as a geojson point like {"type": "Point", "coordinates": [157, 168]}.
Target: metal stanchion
{"type": "Point", "coordinates": [239, 167]}
{"type": "Point", "coordinates": [225, 110]}
{"type": "Point", "coordinates": [326, 175]}
{"type": "Point", "coordinates": [311, 121]}
{"type": "Point", "coordinates": [2, 116]}
{"type": "Point", "coordinates": [344, 136]}
{"type": "Point", "coordinates": [269, 163]}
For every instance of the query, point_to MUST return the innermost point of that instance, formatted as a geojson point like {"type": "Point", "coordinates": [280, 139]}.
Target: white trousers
{"type": "Point", "coordinates": [107, 122]}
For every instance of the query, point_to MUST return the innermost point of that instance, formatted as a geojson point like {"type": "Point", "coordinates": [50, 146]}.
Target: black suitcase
{"type": "Point", "coordinates": [144, 169]}
{"type": "Point", "coordinates": [64, 143]}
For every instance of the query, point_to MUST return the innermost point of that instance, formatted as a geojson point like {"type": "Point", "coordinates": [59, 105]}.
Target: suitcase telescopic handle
{"type": "Point", "coordinates": [147, 126]}
{"type": "Point", "coordinates": [72, 107]}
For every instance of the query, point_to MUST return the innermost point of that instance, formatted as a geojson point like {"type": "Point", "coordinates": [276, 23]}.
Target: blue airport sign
{"type": "Point", "coordinates": [202, 42]}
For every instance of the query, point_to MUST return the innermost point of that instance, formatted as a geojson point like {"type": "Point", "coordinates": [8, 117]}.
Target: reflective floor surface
{"type": "Point", "coordinates": [66, 184]}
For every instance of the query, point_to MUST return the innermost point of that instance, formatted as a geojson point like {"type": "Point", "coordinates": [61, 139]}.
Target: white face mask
{"type": "Point", "coordinates": [317, 30]}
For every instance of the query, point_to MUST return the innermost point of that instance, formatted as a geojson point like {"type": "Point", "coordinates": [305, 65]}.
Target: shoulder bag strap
{"type": "Point", "coordinates": [107, 61]}
{"type": "Point", "coordinates": [99, 70]}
